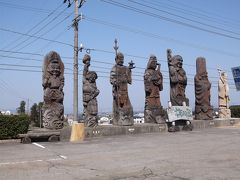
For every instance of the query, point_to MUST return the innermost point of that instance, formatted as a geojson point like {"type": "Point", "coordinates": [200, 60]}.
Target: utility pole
{"type": "Point", "coordinates": [28, 106]}
{"type": "Point", "coordinates": [40, 116]}
{"type": "Point", "coordinates": [77, 133]}
{"type": "Point", "coordinates": [75, 64]}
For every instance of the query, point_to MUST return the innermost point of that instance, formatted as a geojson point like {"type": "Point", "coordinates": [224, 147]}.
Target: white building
{"type": "Point", "coordinates": [104, 121]}
{"type": "Point", "coordinates": [138, 120]}
{"type": "Point", "coordinates": [5, 112]}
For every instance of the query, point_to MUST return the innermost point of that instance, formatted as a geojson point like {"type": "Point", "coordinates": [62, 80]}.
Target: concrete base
{"type": "Point", "coordinates": [111, 130]}
{"type": "Point", "coordinates": [219, 122]}
{"type": "Point", "coordinates": [77, 132]}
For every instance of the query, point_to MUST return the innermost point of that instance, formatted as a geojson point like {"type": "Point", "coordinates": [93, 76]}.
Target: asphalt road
{"type": "Point", "coordinates": [211, 154]}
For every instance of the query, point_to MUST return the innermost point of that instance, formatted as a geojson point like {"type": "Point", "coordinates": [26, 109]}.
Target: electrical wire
{"type": "Point", "coordinates": [131, 8]}
{"type": "Point", "coordinates": [98, 61]}
{"type": "Point", "coordinates": [139, 80]}
{"type": "Point", "coordinates": [182, 17]}
{"type": "Point", "coordinates": [199, 14]}
{"type": "Point", "coordinates": [42, 28]}
{"type": "Point", "coordinates": [203, 11]}
{"type": "Point", "coordinates": [6, 87]}
{"type": "Point", "coordinates": [43, 34]}
{"type": "Point", "coordinates": [156, 36]}
{"type": "Point", "coordinates": [34, 27]}
{"type": "Point", "coordinates": [45, 39]}
{"type": "Point", "coordinates": [141, 74]}
{"type": "Point", "coordinates": [22, 7]}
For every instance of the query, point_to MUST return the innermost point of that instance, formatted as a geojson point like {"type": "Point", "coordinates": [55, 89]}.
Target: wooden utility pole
{"type": "Point", "coordinates": [77, 133]}
{"type": "Point", "coordinates": [75, 64]}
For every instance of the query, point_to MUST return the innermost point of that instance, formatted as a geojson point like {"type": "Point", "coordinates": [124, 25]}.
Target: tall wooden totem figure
{"type": "Point", "coordinates": [120, 77]}
{"type": "Point", "coordinates": [178, 79]}
{"type": "Point", "coordinates": [90, 93]}
{"type": "Point", "coordinates": [153, 82]}
{"type": "Point", "coordinates": [223, 96]}
{"type": "Point", "coordinates": [203, 109]}
{"type": "Point", "coordinates": [53, 82]}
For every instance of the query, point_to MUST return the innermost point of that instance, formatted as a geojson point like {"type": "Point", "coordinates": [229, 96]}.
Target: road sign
{"type": "Point", "coordinates": [236, 77]}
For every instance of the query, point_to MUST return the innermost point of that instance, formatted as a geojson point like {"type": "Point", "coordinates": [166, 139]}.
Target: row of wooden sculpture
{"type": "Point", "coordinates": [120, 77]}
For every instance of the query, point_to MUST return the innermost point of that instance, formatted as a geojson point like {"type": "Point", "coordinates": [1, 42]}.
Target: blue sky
{"type": "Point", "coordinates": [191, 28]}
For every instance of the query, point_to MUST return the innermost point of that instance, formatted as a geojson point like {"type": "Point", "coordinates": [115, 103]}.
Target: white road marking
{"type": "Point", "coordinates": [39, 145]}
{"type": "Point", "coordinates": [25, 162]}
{"type": "Point", "coordinates": [63, 157]}
{"type": "Point", "coordinates": [55, 159]}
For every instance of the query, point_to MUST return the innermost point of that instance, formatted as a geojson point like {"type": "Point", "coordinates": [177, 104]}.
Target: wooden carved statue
{"type": "Point", "coordinates": [120, 77]}
{"type": "Point", "coordinates": [90, 93]}
{"type": "Point", "coordinates": [203, 108]}
{"type": "Point", "coordinates": [53, 82]}
{"type": "Point", "coordinates": [223, 96]}
{"type": "Point", "coordinates": [178, 80]}
{"type": "Point", "coordinates": [153, 82]}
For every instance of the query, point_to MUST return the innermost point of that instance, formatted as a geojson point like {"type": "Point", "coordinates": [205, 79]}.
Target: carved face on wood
{"type": "Point", "coordinates": [120, 58]}
{"type": "Point", "coordinates": [86, 59]}
{"type": "Point", "coordinates": [177, 61]}
{"type": "Point", "coordinates": [91, 76]}
{"type": "Point", "coordinates": [152, 63]}
{"type": "Point", "coordinates": [224, 76]}
{"type": "Point", "coordinates": [53, 64]}
{"type": "Point", "coordinates": [54, 68]}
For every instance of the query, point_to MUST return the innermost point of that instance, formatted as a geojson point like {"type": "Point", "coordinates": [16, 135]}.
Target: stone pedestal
{"type": "Point", "coordinates": [224, 113]}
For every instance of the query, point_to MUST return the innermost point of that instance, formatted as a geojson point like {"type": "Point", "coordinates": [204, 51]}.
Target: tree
{"type": "Point", "coordinates": [40, 105]}
{"type": "Point", "coordinates": [21, 109]}
{"type": "Point", "coordinates": [36, 114]}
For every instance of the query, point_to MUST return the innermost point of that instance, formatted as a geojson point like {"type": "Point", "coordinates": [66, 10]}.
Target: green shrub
{"type": "Point", "coordinates": [235, 111]}
{"type": "Point", "coordinates": [11, 126]}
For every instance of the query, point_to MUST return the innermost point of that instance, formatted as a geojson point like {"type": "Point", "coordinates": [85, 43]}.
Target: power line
{"type": "Point", "coordinates": [22, 7]}
{"type": "Point", "coordinates": [97, 61]}
{"type": "Point", "coordinates": [142, 57]}
{"type": "Point", "coordinates": [7, 88]}
{"type": "Point", "coordinates": [219, 16]}
{"type": "Point", "coordinates": [56, 37]}
{"type": "Point", "coordinates": [27, 59]}
{"type": "Point", "coordinates": [24, 70]}
{"type": "Point", "coordinates": [198, 14]}
{"type": "Point", "coordinates": [168, 19]}
{"type": "Point", "coordinates": [26, 53]}
{"type": "Point", "coordinates": [39, 30]}
{"type": "Point", "coordinates": [17, 65]}
{"type": "Point", "coordinates": [28, 66]}
{"type": "Point", "coordinates": [35, 26]}
{"type": "Point", "coordinates": [135, 74]}
{"type": "Point", "coordinates": [182, 17]}
{"type": "Point", "coordinates": [22, 58]}
{"type": "Point", "coordinates": [155, 36]}
{"type": "Point", "coordinates": [52, 28]}
{"type": "Point", "coordinates": [140, 80]}
{"type": "Point", "coordinates": [45, 39]}
{"type": "Point", "coordinates": [19, 52]}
